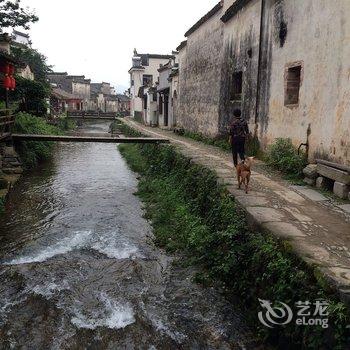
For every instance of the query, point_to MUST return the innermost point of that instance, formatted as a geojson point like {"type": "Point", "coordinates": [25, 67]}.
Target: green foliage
{"type": "Point", "coordinates": [13, 15]}
{"type": "Point", "coordinates": [36, 61]}
{"type": "Point", "coordinates": [219, 142]}
{"type": "Point", "coordinates": [31, 96]}
{"type": "Point", "coordinates": [138, 116]}
{"type": "Point", "coordinates": [65, 124]}
{"type": "Point", "coordinates": [283, 156]}
{"type": "Point", "coordinates": [33, 152]}
{"type": "Point", "coordinates": [191, 214]}
{"type": "Point", "coordinates": [252, 143]}
{"type": "Point", "coordinates": [125, 129]}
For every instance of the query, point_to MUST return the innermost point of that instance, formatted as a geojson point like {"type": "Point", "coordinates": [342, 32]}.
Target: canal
{"type": "Point", "coordinates": [79, 269]}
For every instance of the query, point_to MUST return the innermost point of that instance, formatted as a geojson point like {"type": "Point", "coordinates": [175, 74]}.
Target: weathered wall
{"type": "Point", "coordinates": [81, 89]}
{"type": "Point", "coordinates": [165, 84]}
{"type": "Point", "coordinates": [137, 76]}
{"type": "Point", "coordinates": [136, 102]}
{"type": "Point", "coordinates": [198, 108]}
{"type": "Point", "coordinates": [241, 53]}
{"type": "Point", "coordinates": [174, 94]}
{"type": "Point", "coordinates": [153, 66]}
{"type": "Point", "coordinates": [317, 34]}
{"type": "Point", "coordinates": [26, 73]}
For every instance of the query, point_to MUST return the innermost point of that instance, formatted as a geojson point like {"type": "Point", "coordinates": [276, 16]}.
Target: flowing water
{"type": "Point", "coordinates": [79, 269]}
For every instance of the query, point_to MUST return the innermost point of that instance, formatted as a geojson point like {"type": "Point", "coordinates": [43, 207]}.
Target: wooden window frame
{"type": "Point", "coordinates": [289, 66]}
{"type": "Point", "coordinates": [234, 96]}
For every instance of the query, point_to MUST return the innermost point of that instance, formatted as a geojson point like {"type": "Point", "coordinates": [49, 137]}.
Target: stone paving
{"type": "Point", "coordinates": [316, 228]}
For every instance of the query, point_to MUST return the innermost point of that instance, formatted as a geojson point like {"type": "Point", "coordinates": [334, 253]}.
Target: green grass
{"type": "Point", "coordinates": [33, 152]}
{"type": "Point", "coordinates": [252, 143]}
{"type": "Point", "coordinates": [191, 214]}
{"type": "Point", "coordinates": [66, 124]}
{"type": "Point", "coordinates": [283, 156]}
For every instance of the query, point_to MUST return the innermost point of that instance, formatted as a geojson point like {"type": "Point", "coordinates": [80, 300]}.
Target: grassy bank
{"type": "Point", "coordinates": [191, 214]}
{"type": "Point", "coordinates": [252, 143]}
{"type": "Point", "coordinates": [34, 152]}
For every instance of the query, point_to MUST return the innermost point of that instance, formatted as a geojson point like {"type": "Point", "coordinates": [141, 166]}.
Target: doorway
{"type": "Point", "coordinates": [166, 110]}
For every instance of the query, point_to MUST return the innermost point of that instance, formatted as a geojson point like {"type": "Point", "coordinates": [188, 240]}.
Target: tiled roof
{"type": "Point", "coordinates": [123, 98]}
{"type": "Point", "coordinates": [210, 14]}
{"type": "Point", "coordinates": [156, 56]}
{"type": "Point", "coordinates": [64, 95]}
{"type": "Point", "coordinates": [182, 45]}
{"type": "Point", "coordinates": [234, 9]}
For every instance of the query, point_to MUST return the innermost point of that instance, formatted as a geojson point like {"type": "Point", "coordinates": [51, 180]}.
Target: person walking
{"type": "Point", "coordinates": [237, 135]}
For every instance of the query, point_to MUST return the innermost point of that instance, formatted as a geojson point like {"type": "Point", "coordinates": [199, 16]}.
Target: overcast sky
{"type": "Point", "coordinates": [97, 38]}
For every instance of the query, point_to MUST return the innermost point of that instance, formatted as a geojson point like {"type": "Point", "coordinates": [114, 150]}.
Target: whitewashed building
{"type": "Point", "coordinates": [143, 74]}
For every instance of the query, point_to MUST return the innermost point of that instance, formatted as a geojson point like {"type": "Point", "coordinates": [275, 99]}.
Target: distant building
{"type": "Point", "coordinates": [143, 74]}
{"type": "Point", "coordinates": [76, 85]}
{"type": "Point", "coordinates": [62, 101]}
{"type": "Point", "coordinates": [104, 97]}
{"type": "Point", "coordinates": [165, 94]}
{"type": "Point", "coordinates": [20, 39]}
{"type": "Point", "coordinates": [25, 72]}
{"type": "Point", "coordinates": [123, 104]}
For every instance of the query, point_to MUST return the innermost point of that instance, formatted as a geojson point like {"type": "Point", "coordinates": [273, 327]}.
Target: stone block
{"type": "Point", "coordinates": [263, 214]}
{"type": "Point", "coordinates": [12, 170]}
{"type": "Point", "coordinates": [9, 151]}
{"type": "Point", "coordinates": [310, 171]}
{"type": "Point", "coordinates": [310, 193]}
{"type": "Point", "coordinates": [284, 230]}
{"type": "Point", "coordinates": [3, 183]}
{"type": "Point", "coordinates": [341, 190]}
{"type": "Point", "coordinates": [334, 174]}
{"type": "Point", "coordinates": [310, 181]}
{"type": "Point", "coordinates": [321, 182]}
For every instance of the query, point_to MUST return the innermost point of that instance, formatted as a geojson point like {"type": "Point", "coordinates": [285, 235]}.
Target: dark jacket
{"type": "Point", "coordinates": [239, 129]}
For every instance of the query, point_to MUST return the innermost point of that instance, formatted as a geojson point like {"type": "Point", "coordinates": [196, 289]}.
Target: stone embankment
{"type": "Point", "coordinates": [10, 169]}
{"type": "Point", "coordinates": [316, 228]}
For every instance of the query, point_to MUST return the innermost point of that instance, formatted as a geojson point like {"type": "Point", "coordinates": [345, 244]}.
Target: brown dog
{"type": "Point", "coordinates": [243, 173]}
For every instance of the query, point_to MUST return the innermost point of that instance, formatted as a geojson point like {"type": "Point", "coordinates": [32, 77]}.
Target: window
{"type": "Point", "coordinates": [144, 60]}
{"type": "Point", "coordinates": [236, 86]}
{"type": "Point", "coordinates": [147, 79]}
{"type": "Point", "coordinates": [132, 82]}
{"type": "Point", "coordinates": [292, 85]}
{"type": "Point", "coordinates": [155, 97]}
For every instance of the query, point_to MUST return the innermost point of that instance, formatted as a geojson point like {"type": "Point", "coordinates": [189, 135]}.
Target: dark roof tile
{"type": "Point", "coordinates": [234, 9]}
{"type": "Point", "coordinates": [210, 14]}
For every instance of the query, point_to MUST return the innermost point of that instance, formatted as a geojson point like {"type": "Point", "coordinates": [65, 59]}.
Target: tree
{"type": "Point", "coordinates": [35, 60]}
{"type": "Point", "coordinates": [30, 96]}
{"type": "Point", "coordinates": [13, 15]}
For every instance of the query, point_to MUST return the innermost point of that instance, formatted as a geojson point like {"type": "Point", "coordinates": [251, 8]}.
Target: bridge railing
{"type": "Point", "coordinates": [7, 119]}
{"type": "Point", "coordinates": [90, 114]}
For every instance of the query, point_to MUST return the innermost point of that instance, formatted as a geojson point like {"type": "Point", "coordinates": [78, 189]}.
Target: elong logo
{"type": "Point", "coordinates": [281, 314]}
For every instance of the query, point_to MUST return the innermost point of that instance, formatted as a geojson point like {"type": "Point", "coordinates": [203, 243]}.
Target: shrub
{"type": "Point", "coordinates": [252, 143]}
{"type": "Point", "coordinates": [138, 116]}
{"type": "Point", "coordinates": [66, 124]}
{"type": "Point", "coordinates": [32, 152]}
{"type": "Point", "coordinates": [31, 96]}
{"type": "Point", "coordinates": [283, 156]}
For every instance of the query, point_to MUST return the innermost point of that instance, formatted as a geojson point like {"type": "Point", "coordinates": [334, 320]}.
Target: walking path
{"type": "Point", "coordinates": [317, 229]}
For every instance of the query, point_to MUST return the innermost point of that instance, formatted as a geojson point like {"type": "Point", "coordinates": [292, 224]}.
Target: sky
{"type": "Point", "coordinates": [97, 38]}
